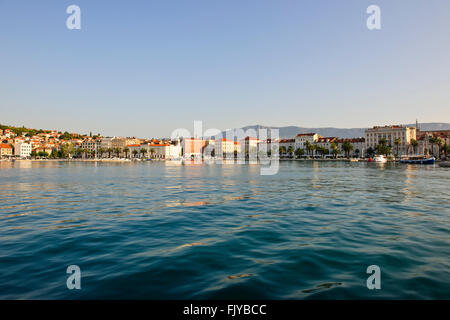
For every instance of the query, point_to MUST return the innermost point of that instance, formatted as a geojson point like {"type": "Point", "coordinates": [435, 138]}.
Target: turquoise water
{"type": "Point", "coordinates": [160, 231]}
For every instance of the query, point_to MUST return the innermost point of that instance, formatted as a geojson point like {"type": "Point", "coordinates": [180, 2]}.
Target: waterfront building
{"type": "Point", "coordinates": [42, 148]}
{"type": "Point", "coordinates": [237, 147]}
{"type": "Point", "coordinates": [391, 134]}
{"type": "Point", "coordinates": [5, 150]}
{"type": "Point", "coordinates": [132, 141]}
{"type": "Point", "coordinates": [106, 142]}
{"type": "Point", "coordinates": [224, 147]}
{"type": "Point", "coordinates": [358, 146]}
{"type": "Point", "coordinates": [326, 142]}
{"type": "Point", "coordinates": [193, 147]}
{"type": "Point", "coordinates": [91, 145]}
{"type": "Point", "coordinates": [423, 138]}
{"type": "Point", "coordinates": [119, 142]}
{"type": "Point", "coordinates": [164, 150]}
{"type": "Point", "coordinates": [287, 143]}
{"type": "Point", "coordinates": [22, 149]}
{"type": "Point", "coordinates": [250, 146]}
{"type": "Point", "coordinates": [302, 138]}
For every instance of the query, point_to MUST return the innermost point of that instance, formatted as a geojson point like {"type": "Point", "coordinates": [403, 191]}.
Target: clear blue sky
{"type": "Point", "coordinates": [145, 68]}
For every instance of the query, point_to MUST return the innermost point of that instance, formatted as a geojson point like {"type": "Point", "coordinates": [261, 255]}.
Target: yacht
{"type": "Point", "coordinates": [419, 160]}
{"type": "Point", "coordinates": [380, 159]}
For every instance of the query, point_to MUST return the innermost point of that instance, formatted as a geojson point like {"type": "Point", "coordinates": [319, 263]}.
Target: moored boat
{"type": "Point", "coordinates": [419, 160]}
{"type": "Point", "coordinates": [380, 159]}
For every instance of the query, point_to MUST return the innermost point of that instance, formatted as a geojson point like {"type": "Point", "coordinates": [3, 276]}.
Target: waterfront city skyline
{"type": "Point", "coordinates": [147, 69]}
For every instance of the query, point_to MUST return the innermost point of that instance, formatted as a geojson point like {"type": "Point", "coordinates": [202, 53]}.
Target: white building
{"type": "Point", "coordinates": [287, 143]}
{"type": "Point", "coordinates": [358, 146]}
{"type": "Point", "coordinates": [164, 151]}
{"type": "Point", "coordinates": [22, 149]}
{"type": "Point", "coordinates": [302, 138]}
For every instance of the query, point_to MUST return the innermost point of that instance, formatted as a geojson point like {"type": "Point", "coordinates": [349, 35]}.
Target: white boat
{"type": "Point", "coordinates": [380, 159]}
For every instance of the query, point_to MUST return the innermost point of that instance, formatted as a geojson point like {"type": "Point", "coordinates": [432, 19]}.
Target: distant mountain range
{"type": "Point", "coordinates": [292, 131]}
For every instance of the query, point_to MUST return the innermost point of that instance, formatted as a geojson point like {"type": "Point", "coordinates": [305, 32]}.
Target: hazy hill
{"type": "Point", "coordinates": [292, 131]}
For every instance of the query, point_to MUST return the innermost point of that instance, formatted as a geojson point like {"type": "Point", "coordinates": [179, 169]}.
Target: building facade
{"type": "Point", "coordinates": [391, 134]}
{"type": "Point", "coordinates": [302, 138]}
{"type": "Point", "coordinates": [5, 150]}
{"type": "Point", "coordinates": [22, 149]}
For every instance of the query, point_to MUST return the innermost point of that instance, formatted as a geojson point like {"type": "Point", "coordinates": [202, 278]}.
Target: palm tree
{"type": "Point", "coordinates": [101, 151]}
{"type": "Point", "coordinates": [126, 150]}
{"type": "Point", "coordinates": [135, 152]}
{"type": "Point", "coordinates": [307, 147]}
{"type": "Point", "coordinates": [117, 151]}
{"type": "Point", "coordinates": [334, 149]}
{"type": "Point", "coordinates": [299, 152]}
{"type": "Point", "coordinates": [446, 150]}
{"type": "Point", "coordinates": [310, 147]}
{"type": "Point", "coordinates": [143, 152]}
{"type": "Point", "coordinates": [397, 143]}
{"type": "Point", "coordinates": [152, 152]}
{"type": "Point", "coordinates": [109, 150]}
{"type": "Point", "coordinates": [370, 152]}
{"type": "Point", "coordinates": [347, 147]}
{"type": "Point", "coordinates": [414, 144]}
{"type": "Point", "coordinates": [282, 150]}
{"type": "Point", "coordinates": [432, 141]}
{"type": "Point", "coordinates": [290, 150]}
{"type": "Point", "coordinates": [440, 144]}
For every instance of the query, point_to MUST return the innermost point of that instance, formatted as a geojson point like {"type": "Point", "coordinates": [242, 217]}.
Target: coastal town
{"type": "Point", "coordinates": [394, 141]}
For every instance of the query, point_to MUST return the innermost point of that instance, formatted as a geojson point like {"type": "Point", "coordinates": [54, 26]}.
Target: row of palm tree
{"type": "Point", "coordinates": [312, 149]}
{"type": "Point", "coordinates": [114, 152]}
{"type": "Point", "coordinates": [443, 148]}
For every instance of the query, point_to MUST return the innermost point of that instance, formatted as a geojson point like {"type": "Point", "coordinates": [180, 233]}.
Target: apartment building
{"type": "Point", "coordinates": [391, 134]}
{"type": "Point", "coordinates": [5, 150]}
{"type": "Point", "coordinates": [423, 139]}
{"type": "Point", "coordinates": [302, 138]}
{"type": "Point", "coordinates": [224, 147]}
{"type": "Point", "coordinates": [192, 147]}
{"type": "Point", "coordinates": [91, 145]}
{"type": "Point", "coordinates": [22, 149]}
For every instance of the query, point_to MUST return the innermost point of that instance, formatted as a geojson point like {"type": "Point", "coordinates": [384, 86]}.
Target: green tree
{"type": "Point", "coordinates": [334, 149]}
{"type": "Point", "coordinates": [101, 151]}
{"type": "Point", "coordinates": [432, 141]}
{"type": "Point", "coordinates": [126, 150]}
{"type": "Point", "coordinates": [347, 148]}
{"type": "Point", "coordinates": [135, 152]}
{"type": "Point", "coordinates": [414, 144]}
{"type": "Point", "coordinates": [440, 143]}
{"type": "Point", "coordinates": [370, 152]}
{"type": "Point", "coordinates": [143, 151]}
{"type": "Point", "coordinates": [299, 152]}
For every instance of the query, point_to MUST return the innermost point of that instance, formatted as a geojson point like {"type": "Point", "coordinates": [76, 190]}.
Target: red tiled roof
{"type": "Point", "coordinates": [306, 134]}
{"type": "Point", "coordinates": [4, 145]}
